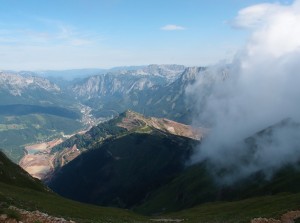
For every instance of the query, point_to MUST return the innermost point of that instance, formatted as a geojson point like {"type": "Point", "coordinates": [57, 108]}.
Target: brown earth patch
{"type": "Point", "coordinates": [38, 160]}
{"type": "Point", "coordinates": [288, 217]}
{"type": "Point", "coordinates": [32, 217]}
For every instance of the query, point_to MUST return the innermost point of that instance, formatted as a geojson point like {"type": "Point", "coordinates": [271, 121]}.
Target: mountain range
{"type": "Point", "coordinates": [16, 88]}
{"type": "Point", "coordinates": [28, 101]}
{"type": "Point", "coordinates": [155, 91]}
{"type": "Point", "coordinates": [80, 139]}
{"type": "Point", "coordinates": [33, 109]}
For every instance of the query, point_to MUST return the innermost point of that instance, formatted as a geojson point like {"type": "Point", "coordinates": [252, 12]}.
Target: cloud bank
{"type": "Point", "coordinates": [260, 88]}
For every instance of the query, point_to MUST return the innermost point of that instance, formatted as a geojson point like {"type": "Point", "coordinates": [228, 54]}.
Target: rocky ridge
{"type": "Point", "coordinates": [170, 72]}
{"type": "Point", "coordinates": [43, 162]}
{"type": "Point", "coordinates": [131, 119]}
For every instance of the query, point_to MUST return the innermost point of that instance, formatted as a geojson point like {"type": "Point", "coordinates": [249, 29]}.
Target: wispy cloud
{"type": "Point", "coordinates": [53, 33]}
{"type": "Point", "coordinates": [172, 27]}
{"type": "Point", "coordinates": [49, 44]}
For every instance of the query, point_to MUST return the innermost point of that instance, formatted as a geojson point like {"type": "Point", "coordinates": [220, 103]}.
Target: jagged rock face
{"type": "Point", "coordinates": [156, 90]}
{"type": "Point", "coordinates": [169, 72]}
{"type": "Point", "coordinates": [190, 74]}
{"type": "Point", "coordinates": [16, 84]}
{"type": "Point", "coordinates": [112, 84]}
{"type": "Point", "coordinates": [26, 88]}
{"type": "Point", "coordinates": [125, 82]}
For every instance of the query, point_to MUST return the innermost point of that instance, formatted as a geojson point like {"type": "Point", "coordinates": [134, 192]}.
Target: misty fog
{"type": "Point", "coordinates": [260, 88]}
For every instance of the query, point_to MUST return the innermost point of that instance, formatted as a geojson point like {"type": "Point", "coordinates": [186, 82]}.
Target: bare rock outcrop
{"type": "Point", "coordinates": [288, 217]}
{"type": "Point", "coordinates": [31, 217]}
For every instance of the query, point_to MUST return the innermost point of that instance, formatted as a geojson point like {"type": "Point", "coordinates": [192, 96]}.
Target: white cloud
{"type": "Point", "coordinates": [275, 28]}
{"type": "Point", "coordinates": [172, 27]}
{"type": "Point", "coordinates": [262, 89]}
{"type": "Point", "coordinates": [256, 15]}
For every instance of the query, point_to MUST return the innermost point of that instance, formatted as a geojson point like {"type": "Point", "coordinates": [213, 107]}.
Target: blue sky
{"type": "Point", "coordinates": [65, 34]}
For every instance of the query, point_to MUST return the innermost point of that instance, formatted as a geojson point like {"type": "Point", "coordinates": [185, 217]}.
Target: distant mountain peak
{"type": "Point", "coordinates": [16, 83]}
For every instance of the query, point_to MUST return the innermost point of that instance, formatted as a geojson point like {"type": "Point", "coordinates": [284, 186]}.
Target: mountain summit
{"type": "Point", "coordinates": [130, 120]}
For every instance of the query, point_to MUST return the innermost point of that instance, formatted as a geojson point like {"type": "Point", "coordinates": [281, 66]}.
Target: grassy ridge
{"type": "Point", "coordinates": [241, 211]}
{"type": "Point", "coordinates": [12, 174]}
{"type": "Point", "coordinates": [231, 212]}
{"type": "Point", "coordinates": [18, 188]}
{"type": "Point", "coordinates": [195, 186]}
{"type": "Point", "coordinates": [60, 207]}
{"type": "Point", "coordinates": [191, 187]}
{"type": "Point", "coordinates": [122, 171]}
{"type": "Point", "coordinates": [93, 136]}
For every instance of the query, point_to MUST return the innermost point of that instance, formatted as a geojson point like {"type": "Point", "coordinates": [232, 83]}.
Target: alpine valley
{"type": "Point", "coordinates": [118, 145]}
{"type": "Point", "coordinates": [36, 110]}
